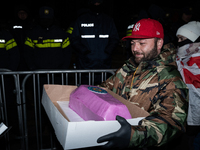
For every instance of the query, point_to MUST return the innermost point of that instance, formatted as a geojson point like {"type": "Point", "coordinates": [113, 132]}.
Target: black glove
{"type": "Point", "coordinates": [119, 139]}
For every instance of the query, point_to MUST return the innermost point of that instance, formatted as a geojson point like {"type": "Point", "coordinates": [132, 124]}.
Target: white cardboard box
{"type": "Point", "coordinates": [80, 134]}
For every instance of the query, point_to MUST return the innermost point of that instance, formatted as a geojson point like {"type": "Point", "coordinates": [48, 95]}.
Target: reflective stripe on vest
{"type": "Point", "coordinates": [8, 45]}
{"type": "Point", "coordinates": [66, 43]}
{"type": "Point", "coordinates": [29, 42]}
{"type": "Point", "coordinates": [70, 30]}
{"type": "Point", "coordinates": [104, 36]}
{"type": "Point", "coordinates": [58, 40]}
{"type": "Point", "coordinates": [129, 30]}
{"type": "Point", "coordinates": [93, 36]}
{"type": "Point", "coordinates": [48, 43]}
{"type": "Point", "coordinates": [88, 36]}
{"type": "Point", "coordinates": [2, 41]}
{"type": "Point", "coordinates": [130, 26]}
{"type": "Point", "coordinates": [17, 27]}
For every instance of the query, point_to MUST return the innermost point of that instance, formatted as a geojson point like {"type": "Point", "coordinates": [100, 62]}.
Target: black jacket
{"type": "Point", "coordinates": [47, 48]}
{"type": "Point", "coordinates": [94, 38]}
{"type": "Point", "coordinates": [9, 52]}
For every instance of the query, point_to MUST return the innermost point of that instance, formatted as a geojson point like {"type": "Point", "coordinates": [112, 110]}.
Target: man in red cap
{"type": "Point", "coordinates": [146, 39]}
{"type": "Point", "coordinates": [151, 81]}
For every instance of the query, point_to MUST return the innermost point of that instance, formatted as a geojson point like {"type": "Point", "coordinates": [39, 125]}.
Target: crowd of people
{"type": "Point", "coordinates": [162, 65]}
{"type": "Point", "coordinates": [98, 34]}
{"type": "Point", "coordinates": [42, 44]}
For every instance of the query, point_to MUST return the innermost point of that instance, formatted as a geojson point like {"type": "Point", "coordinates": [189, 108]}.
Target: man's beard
{"type": "Point", "coordinates": [151, 55]}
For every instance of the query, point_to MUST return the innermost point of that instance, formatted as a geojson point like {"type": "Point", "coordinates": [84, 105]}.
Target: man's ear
{"type": "Point", "coordinates": [160, 44]}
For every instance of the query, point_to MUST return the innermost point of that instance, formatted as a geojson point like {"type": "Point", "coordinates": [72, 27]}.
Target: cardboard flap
{"type": "Point", "coordinates": [59, 93]}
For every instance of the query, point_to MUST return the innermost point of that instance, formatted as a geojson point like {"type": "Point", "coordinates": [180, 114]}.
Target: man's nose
{"type": "Point", "coordinates": [135, 47]}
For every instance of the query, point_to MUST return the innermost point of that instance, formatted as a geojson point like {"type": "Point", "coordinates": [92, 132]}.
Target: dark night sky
{"type": "Point", "coordinates": [121, 11]}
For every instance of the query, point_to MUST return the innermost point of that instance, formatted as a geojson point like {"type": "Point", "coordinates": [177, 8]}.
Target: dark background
{"type": "Point", "coordinates": [121, 11]}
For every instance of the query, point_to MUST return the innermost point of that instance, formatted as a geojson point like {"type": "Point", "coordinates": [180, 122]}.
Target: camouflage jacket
{"type": "Point", "coordinates": [157, 88]}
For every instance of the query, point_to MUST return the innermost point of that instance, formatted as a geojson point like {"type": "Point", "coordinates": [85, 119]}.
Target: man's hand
{"type": "Point", "coordinates": [119, 139]}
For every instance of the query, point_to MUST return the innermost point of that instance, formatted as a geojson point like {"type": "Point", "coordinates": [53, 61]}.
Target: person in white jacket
{"type": "Point", "coordinates": [188, 62]}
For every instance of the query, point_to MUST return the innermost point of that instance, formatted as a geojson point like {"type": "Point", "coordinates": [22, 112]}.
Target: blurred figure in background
{"type": "Point", "coordinates": [47, 48]}
{"type": "Point", "coordinates": [94, 39]}
{"type": "Point", "coordinates": [19, 27]}
{"type": "Point", "coordinates": [47, 45]}
{"type": "Point", "coordinates": [185, 17]}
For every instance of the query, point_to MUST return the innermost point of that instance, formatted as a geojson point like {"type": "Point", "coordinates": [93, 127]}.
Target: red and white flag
{"type": "Point", "coordinates": [190, 71]}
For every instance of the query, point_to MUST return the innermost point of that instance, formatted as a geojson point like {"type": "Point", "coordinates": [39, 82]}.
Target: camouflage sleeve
{"type": "Point", "coordinates": [109, 83]}
{"type": "Point", "coordinates": [166, 119]}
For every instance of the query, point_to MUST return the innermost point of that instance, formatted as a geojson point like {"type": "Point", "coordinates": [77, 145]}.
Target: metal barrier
{"type": "Point", "coordinates": [3, 108]}
{"type": "Point", "coordinates": [34, 129]}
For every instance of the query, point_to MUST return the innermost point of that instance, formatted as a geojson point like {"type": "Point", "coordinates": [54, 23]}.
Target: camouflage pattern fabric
{"type": "Point", "coordinates": [157, 88]}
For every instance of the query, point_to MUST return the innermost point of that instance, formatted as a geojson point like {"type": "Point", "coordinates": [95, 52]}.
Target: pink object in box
{"type": "Point", "coordinates": [94, 103]}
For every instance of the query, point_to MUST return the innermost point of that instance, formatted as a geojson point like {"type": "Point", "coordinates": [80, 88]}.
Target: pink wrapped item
{"type": "Point", "coordinates": [94, 103]}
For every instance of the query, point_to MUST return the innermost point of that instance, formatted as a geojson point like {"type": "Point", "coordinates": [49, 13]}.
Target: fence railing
{"type": "Point", "coordinates": [22, 90]}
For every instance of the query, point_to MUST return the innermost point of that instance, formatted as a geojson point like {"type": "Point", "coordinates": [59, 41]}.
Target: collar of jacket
{"type": "Point", "coordinates": [165, 58]}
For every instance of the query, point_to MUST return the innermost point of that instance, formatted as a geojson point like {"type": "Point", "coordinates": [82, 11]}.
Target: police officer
{"type": "Point", "coordinates": [94, 38]}
{"type": "Point", "coordinates": [47, 45]}
{"type": "Point", "coordinates": [19, 28]}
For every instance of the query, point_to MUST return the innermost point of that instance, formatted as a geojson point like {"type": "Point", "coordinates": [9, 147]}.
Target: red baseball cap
{"type": "Point", "coordinates": [146, 28]}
